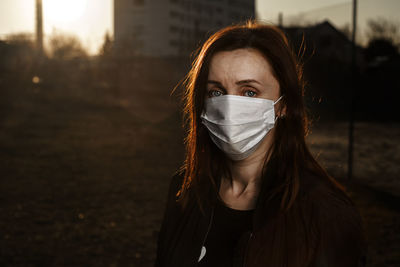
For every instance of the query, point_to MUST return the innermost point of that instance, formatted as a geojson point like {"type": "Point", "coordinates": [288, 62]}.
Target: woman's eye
{"type": "Point", "coordinates": [214, 93]}
{"type": "Point", "coordinates": [250, 93]}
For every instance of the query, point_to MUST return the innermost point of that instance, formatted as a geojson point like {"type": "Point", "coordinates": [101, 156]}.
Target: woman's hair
{"type": "Point", "coordinates": [291, 231]}
{"type": "Point", "coordinates": [205, 163]}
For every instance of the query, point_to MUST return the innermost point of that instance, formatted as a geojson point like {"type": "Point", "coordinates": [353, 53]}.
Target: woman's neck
{"type": "Point", "coordinates": [241, 192]}
{"type": "Point", "coordinates": [249, 170]}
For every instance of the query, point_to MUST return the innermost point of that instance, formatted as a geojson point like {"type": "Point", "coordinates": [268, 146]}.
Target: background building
{"type": "Point", "coordinates": [173, 27]}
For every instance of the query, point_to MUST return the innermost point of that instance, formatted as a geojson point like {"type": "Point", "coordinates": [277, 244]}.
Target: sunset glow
{"type": "Point", "coordinates": [64, 11]}
{"type": "Point", "coordinates": [89, 20]}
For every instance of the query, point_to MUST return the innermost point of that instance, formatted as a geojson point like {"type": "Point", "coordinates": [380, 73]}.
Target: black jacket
{"type": "Point", "coordinates": [340, 242]}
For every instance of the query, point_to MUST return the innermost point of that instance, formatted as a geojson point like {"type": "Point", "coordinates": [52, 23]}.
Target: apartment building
{"type": "Point", "coordinates": [173, 27]}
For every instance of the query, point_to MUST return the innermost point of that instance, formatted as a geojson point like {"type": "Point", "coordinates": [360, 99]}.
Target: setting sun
{"type": "Point", "coordinates": [64, 11]}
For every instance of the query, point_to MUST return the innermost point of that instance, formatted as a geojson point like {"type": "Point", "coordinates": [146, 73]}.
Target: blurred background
{"type": "Point", "coordinates": [90, 131]}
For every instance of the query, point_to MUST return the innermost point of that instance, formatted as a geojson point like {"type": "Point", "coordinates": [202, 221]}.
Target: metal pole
{"type": "Point", "coordinates": [39, 27]}
{"type": "Point", "coordinates": [280, 19]}
{"type": "Point", "coordinates": [352, 94]}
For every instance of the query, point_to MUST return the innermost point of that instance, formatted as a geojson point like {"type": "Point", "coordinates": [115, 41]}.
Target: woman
{"type": "Point", "coordinates": [250, 192]}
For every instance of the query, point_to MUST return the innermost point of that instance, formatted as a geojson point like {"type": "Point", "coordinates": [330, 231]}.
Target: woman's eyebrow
{"type": "Point", "coordinates": [214, 82]}
{"type": "Point", "coordinates": [247, 81]}
{"type": "Point", "coordinates": [238, 82]}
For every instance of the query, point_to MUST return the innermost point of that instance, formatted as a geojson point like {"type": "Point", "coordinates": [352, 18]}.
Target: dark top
{"type": "Point", "coordinates": [331, 225]}
{"type": "Point", "coordinates": [226, 229]}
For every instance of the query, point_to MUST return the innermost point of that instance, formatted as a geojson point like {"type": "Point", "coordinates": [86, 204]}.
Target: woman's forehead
{"type": "Point", "coordinates": [240, 64]}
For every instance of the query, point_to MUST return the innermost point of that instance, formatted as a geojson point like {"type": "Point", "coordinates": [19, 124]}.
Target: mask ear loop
{"type": "Point", "coordinates": [276, 117]}
{"type": "Point", "coordinates": [278, 99]}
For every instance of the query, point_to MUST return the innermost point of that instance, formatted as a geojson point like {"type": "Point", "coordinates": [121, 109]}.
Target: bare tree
{"type": "Point", "coordinates": [20, 39]}
{"type": "Point", "coordinates": [20, 52]}
{"type": "Point", "coordinates": [66, 46]}
{"type": "Point", "coordinates": [106, 48]}
{"type": "Point", "coordinates": [383, 29]}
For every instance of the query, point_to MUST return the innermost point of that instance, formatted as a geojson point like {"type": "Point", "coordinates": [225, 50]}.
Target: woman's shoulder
{"type": "Point", "coordinates": [337, 219]}
{"type": "Point", "coordinates": [329, 203]}
{"type": "Point", "coordinates": [323, 189]}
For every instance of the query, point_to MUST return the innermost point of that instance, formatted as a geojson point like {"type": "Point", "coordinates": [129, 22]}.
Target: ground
{"type": "Point", "coordinates": [85, 170]}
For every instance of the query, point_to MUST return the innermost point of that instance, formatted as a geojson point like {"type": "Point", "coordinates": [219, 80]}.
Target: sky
{"type": "Point", "coordinates": [87, 19]}
{"type": "Point", "coordinates": [338, 12]}
{"type": "Point", "coordinates": [269, 9]}
{"type": "Point", "coordinates": [91, 19]}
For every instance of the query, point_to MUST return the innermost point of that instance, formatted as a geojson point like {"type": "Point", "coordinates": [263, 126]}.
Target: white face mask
{"type": "Point", "coordinates": [238, 124]}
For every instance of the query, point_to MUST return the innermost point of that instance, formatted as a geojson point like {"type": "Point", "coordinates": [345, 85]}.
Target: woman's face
{"type": "Point", "coordinates": [243, 72]}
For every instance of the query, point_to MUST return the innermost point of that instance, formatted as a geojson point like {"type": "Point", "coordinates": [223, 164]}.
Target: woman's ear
{"type": "Point", "coordinates": [281, 109]}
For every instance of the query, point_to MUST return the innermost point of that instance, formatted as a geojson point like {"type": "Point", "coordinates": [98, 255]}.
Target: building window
{"type": "Point", "coordinates": [174, 43]}
{"type": "Point", "coordinates": [138, 2]}
{"type": "Point", "coordinates": [173, 29]}
{"type": "Point", "coordinates": [176, 15]}
{"type": "Point", "coordinates": [138, 29]}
